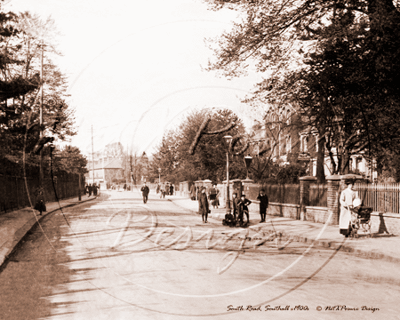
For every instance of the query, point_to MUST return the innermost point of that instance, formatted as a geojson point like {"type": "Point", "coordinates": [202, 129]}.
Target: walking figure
{"type": "Point", "coordinates": [162, 191]}
{"type": "Point", "coordinates": [40, 205]}
{"type": "Point", "coordinates": [203, 205]}
{"type": "Point", "coordinates": [145, 192]}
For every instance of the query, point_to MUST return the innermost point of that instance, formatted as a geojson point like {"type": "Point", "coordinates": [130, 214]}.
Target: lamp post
{"type": "Point", "coordinates": [247, 160]}
{"type": "Point", "coordinates": [228, 140]}
{"type": "Point", "coordinates": [159, 175]}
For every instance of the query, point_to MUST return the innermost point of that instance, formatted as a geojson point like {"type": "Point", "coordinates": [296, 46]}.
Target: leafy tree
{"type": "Point", "coordinates": [337, 60]}
{"type": "Point", "coordinates": [209, 159]}
{"type": "Point", "coordinates": [69, 159]}
{"type": "Point", "coordinates": [22, 40]}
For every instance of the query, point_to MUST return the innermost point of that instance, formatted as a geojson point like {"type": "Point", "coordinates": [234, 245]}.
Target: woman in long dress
{"type": "Point", "coordinates": [347, 197]}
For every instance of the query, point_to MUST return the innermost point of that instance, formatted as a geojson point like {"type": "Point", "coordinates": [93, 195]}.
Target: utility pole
{"type": "Point", "coordinates": [92, 159]}
{"type": "Point", "coordinates": [41, 178]}
{"type": "Point", "coordinates": [131, 172]}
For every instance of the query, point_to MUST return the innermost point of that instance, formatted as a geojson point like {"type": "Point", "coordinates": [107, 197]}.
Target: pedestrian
{"type": "Point", "coordinates": [203, 205]}
{"type": "Point", "coordinates": [145, 192]}
{"type": "Point", "coordinates": [244, 209]}
{"type": "Point", "coordinates": [217, 197]}
{"type": "Point", "coordinates": [40, 203]}
{"type": "Point", "coordinates": [90, 190]}
{"type": "Point", "coordinates": [162, 191]}
{"type": "Point", "coordinates": [86, 189]}
{"type": "Point", "coordinates": [263, 198]}
{"type": "Point", "coordinates": [171, 189]}
{"type": "Point", "coordinates": [158, 188]}
{"type": "Point", "coordinates": [213, 196]}
{"type": "Point", "coordinates": [95, 190]}
{"type": "Point", "coordinates": [124, 186]}
{"type": "Point", "coordinates": [198, 192]}
{"type": "Point", "coordinates": [347, 197]}
{"type": "Point", "coordinates": [193, 192]}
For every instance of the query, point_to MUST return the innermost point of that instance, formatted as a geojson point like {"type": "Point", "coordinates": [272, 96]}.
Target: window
{"type": "Point", "coordinates": [358, 164]}
{"type": "Point", "coordinates": [303, 143]}
{"type": "Point", "coordinates": [288, 144]}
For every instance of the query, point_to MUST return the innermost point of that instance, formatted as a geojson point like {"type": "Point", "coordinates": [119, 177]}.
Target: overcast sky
{"type": "Point", "coordinates": [135, 67]}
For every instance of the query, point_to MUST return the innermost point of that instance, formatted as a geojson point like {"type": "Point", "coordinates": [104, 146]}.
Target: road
{"type": "Point", "coordinates": [118, 258]}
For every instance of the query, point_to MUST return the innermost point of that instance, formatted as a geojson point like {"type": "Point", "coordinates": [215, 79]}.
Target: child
{"type": "Point", "coordinates": [243, 208]}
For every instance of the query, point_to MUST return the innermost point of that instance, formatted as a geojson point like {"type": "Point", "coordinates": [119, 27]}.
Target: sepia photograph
{"type": "Point", "coordinates": [199, 159]}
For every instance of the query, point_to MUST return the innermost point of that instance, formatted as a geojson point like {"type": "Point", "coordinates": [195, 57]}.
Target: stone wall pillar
{"type": "Point", "coordinates": [333, 198]}
{"type": "Point", "coordinates": [208, 184]}
{"type": "Point", "coordinates": [245, 186]}
{"type": "Point", "coordinates": [305, 194]}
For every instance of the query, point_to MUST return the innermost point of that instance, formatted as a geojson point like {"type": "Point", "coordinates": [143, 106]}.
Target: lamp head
{"type": "Point", "coordinates": [228, 139]}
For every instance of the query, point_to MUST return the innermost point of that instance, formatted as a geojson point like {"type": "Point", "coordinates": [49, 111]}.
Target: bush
{"type": "Point", "coordinates": [290, 174]}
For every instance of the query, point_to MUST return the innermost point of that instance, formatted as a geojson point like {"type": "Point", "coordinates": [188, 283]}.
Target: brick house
{"type": "Point", "coordinates": [285, 138]}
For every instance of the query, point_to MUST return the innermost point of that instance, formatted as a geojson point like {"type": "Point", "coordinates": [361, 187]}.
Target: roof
{"type": "Point", "coordinates": [112, 164]}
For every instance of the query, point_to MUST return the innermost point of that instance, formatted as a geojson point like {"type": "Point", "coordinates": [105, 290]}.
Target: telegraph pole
{"type": "Point", "coordinates": [41, 119]}
{"type": "Point", "coordinates": [92, 159]}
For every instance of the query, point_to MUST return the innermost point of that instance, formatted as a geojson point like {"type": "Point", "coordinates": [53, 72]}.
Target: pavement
{"type": "Point", "coordinates": [379, 246]}
{"type": "Point", "coordinates": [14, 225]}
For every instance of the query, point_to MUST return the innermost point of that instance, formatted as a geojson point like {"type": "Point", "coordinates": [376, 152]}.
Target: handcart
{"type": "Point", "coordinates": [361, 221]}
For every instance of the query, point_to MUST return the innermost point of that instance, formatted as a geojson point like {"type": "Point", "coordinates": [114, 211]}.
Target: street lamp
{"type": "Point", "coordinates": [159, 175]}
{"type": "Point", "coordinates": [247, 160]}
{"type": "Point", "coordinates": [228, 140]}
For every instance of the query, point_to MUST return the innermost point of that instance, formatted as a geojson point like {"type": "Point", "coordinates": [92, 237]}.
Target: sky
{"type": "Point", "coordinates": [135, 68]}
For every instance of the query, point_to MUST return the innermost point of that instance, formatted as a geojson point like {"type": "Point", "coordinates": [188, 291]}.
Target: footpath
{"type": "Point", "coordinates": [14, 225]}
{"type": "Point", "coordinates": [379, 246]}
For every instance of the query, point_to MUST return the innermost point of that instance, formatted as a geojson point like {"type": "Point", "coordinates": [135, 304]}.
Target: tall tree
{"type": "Point", "coordinates": [69, 159]}
{"type": "Point", "coordinates": [24, 38]}
{"type": "Point", "coordinates": [209, 159]}
{"type": "Point", "coordinates": [351, 72]}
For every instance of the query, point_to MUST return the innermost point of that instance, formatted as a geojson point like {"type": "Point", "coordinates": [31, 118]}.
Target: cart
{"type": "Point", "coordinates": [361, 221]}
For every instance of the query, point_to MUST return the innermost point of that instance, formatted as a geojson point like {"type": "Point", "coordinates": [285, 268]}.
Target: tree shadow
{"type": "Point", "coordinates": [34, 274]}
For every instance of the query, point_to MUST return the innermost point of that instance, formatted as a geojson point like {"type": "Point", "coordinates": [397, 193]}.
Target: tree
{"type": "Point", "coordinates": [23, 38]}
{"type": "Point", "coordinates": [350, 73]}
{"type": "Point", "coordinates": [208, 161]}
{"type": "Point", "coordinates": [69, 159]}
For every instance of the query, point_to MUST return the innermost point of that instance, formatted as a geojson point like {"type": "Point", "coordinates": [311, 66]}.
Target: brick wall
{"type": "Point", "coordinates": [316, 214]}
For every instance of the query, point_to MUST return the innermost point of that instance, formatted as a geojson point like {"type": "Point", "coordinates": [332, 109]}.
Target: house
{"type": "Point", "coordinates": [286, 138]}
{"type": "Point", "coordinates": [112, 165]}
{"type": "Point", "coordinates": [106, 166]}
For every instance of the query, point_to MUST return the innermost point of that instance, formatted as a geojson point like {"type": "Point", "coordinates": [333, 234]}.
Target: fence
{"type": "Point", "coordinates": [381, 197]}
{"type": "Point", "coordinates": [318, 196]}
{"type": "Point", "coordinates": [16, 190]}
{"type": "Point", "coordinates": [283, 193]}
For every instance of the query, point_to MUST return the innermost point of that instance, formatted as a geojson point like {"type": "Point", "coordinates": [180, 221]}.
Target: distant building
{"type": "Point", "coordinates": [107, 165]}
{"type": "Point", "coordinates": [112, 165]}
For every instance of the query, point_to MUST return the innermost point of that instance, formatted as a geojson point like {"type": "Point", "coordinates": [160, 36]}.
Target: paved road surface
{"type": "Point", "coordinates": [118, 258]}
